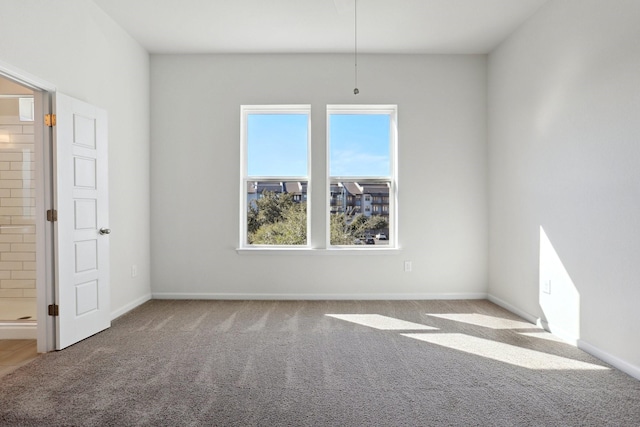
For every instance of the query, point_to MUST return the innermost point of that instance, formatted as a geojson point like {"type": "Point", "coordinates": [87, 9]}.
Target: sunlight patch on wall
{"type": "Point", "coordinates": [484, 320]}
{"type": "Point", "coordinates": [558, 296]}
{"type": "Point", "coordinates": [505, 353]}
{"type": "Point", "coordinates": [378, 321]}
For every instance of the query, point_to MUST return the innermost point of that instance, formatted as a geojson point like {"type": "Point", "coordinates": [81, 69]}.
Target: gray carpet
{"type": "Point", "coordinates": [288, 363]}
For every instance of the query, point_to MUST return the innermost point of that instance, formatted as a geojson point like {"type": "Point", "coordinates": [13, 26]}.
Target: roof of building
{"type": "Point", "coordinates": [275, 187]}
{"type": "Point", "coordinates": [375, 189]}
{"type": "Point", "coordinates": [352, 188]}
{"type": "Point", "coordinates": [293, 187]}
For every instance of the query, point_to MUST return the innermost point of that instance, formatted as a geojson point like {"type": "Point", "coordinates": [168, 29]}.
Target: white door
{"type": "Point", "coordinates": [81, 230]}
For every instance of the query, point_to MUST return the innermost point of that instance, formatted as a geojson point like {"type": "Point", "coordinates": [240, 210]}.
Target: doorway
{"type": "Point", "coordinates": [57, 251]}
{"type": "Point", "coordinates": [30, 139]}
{"type": "Point", "coordinates": [18, 258]}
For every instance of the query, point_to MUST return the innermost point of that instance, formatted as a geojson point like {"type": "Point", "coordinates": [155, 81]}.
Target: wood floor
{"type": "Point", "coordinates": [15, 353]}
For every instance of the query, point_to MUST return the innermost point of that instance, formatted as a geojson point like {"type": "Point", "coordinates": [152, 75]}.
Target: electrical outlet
{"type": "Point", "coordinates": [407, 266]}
{"type": "Point", "coordinates": [546, 286]}
{"type": "Point", "coordinates": [134, 270]}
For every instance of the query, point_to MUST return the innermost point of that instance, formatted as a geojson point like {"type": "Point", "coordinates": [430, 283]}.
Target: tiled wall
{"type": "Point", "coordinates": [17, 210]}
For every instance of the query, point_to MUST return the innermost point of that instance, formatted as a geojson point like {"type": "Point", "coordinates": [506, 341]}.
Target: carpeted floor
{"type": "Point", "coordinates": [319, 363]}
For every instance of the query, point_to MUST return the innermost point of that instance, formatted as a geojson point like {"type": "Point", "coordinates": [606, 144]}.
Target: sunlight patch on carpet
{"type": "Point", "coordinates": [484, 320]}
{"type": "Point", "coordinates": [543, 335]}
{"type": "Point", "coordinates": [505, 353]}
{"type": "Point", "coordinates": [385, 323]}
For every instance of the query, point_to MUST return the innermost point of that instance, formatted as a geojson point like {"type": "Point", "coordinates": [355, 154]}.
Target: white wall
{"type": "Point", "coordinates": [564, 150]}
{"type": "Point", "coordinates": [17, 201]}
{"type": "Point", "coordinates": [195, 118]}
{"type": "Point", "coordinates": [73, 45]}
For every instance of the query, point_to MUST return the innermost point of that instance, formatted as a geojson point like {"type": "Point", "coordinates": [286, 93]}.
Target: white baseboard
{"type": "Point", "coordinates": [526, 316]}
{"type": "Point", "coordinates": [541, 323]}
{"type": "Point", "coordinates": [612, 360]}
{"type": "Point", "coordinates": [560, 333]}
{"type": "Point", "coordinates": [18, 331]}
{"type": "Point", "coordinates": [309, 297]}
{"type": "Point", "coordinates": [127, 308]}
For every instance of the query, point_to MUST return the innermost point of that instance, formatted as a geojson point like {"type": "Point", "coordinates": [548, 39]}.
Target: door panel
{"type": "Point", "coordinates": [81, 199]}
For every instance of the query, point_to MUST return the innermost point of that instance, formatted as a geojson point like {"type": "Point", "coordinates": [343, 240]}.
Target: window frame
{"type": "Point", "coordinates": [392, 111]}
{"type": "Point", "coordinates": [245, 179]}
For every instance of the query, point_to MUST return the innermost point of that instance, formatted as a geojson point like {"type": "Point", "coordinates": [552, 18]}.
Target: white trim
{"type": "Point", "coordinates": [18, 331]}
{"type": "Point", "coordinates": [276, 109]}
{"type": "Point", "coordinates": [359, 109]}
{"type": "Point", "coordinates": [528, 317]}
{"type": "Point", "coordinates": [334, 250]}
{"type": "Point", "coordinates": [541, 323]}
{"type": "Point", "coordinates": [128, 307]}
{"type": "Point", "coordinates": [44, 229]}
{"type": "Point", "coordinates": [24, 78]}
{"type": "Point", "coordinates": [43, 92]}
{"type": "Point", "coordinates": [276, 179]}
{"type": "Point", "coordinates": [612, 360]}
{"type": "Point", "coordinates": [313, 297]}
{"type": "Point", "coordinates": [559, 332]}
{"type": "Point", "coordinates": [245, 110]}
{"type": "Point", "coordinates": [363, 108]}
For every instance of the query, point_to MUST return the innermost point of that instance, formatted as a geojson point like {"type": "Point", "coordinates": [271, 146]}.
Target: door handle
{"type": "Point", "coordinates": [104, 231]}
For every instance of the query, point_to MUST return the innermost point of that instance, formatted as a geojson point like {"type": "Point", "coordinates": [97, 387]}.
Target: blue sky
{"type": "Point", "coordinates": [277, 145]}
{"type": "Point", "coordinates": [359, 145]}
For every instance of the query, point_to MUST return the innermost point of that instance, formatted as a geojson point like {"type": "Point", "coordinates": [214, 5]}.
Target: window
{"type": "Point", "coordinates": [275, 168]}
{"type": "Point", "coordinates": [362, 144]}
{"type": "Point", "coordinates": [275, 171]}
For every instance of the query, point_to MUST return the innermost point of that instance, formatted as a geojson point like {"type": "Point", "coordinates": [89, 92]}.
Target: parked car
{"type": "Point", "coordinates": [369, 241]}
{"type": "Point", "coordinates": [381, 236]}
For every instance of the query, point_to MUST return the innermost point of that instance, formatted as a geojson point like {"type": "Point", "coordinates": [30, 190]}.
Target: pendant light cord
{"type": "Point", "coordinates": [355, 38]}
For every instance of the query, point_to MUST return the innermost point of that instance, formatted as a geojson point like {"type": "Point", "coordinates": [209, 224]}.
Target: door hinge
{"type": "Point", "coordinates": [52, 215]}
{"type": "Point", "coordinates": [53, 310]}
{"type": "Point", "coordinates": [50, 120]}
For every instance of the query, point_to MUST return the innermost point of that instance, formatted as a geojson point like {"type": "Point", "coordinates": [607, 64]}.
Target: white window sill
{"type": "Point", "coordinates": [318, 251]}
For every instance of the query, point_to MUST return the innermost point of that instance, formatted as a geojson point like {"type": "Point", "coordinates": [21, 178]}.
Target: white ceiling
{"type": "Point", "coordinates": [295, 26]}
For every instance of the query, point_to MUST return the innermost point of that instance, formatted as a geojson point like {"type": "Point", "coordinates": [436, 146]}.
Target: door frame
{"type": "Point", "coordinates": [45, 279]}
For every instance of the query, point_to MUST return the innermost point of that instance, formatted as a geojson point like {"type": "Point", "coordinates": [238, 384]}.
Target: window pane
{"type": "Point", "coordinates": [359, 145]}
{"type": "Point", "coordinates": [277, 144]}
{"type": "Point", "coordinates": [359, 213]}
{"type": "Point", "coordinates": [276, 213]}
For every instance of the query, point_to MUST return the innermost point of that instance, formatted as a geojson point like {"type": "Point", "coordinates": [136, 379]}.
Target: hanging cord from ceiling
{"type": "Point", "coordinates": [355, 39]}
